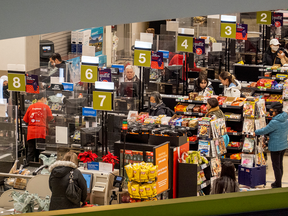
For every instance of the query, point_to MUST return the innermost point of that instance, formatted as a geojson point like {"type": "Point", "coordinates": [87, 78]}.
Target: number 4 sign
{"type": "Point", "coordinates": [184, 44]}
{"type": "Point", "coordinates": [16, 82]}
{"type": "Point", "coordinates": [102, 100]}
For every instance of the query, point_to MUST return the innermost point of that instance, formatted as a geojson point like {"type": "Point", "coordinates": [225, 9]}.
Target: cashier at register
{"type": "Point", "coordinates": [130, 74]}
{"type": "Point", "coordinates": [57, 64]}
{"type": "Point", "coordinates": [37, 117]}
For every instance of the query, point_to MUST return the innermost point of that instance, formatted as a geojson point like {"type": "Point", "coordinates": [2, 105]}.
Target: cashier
{"type": "Point", "coordinates": [157, 107]}
{"type": "Point", "coordinates": [271, 56]}
{"type": "Point", "coordinates": [58, 67]}
{"type": "Point", "coordinates": [37, 117]}
{"type": "Point", "coordinates": [130, 74]}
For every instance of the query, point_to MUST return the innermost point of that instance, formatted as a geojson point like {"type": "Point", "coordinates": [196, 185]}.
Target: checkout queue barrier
{"type": "Point", "coordinates": [222, 204]}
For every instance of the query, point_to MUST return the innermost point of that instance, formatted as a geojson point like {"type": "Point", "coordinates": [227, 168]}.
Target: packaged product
{"type": "Point", "coordinates": [204, 159]}
{"type": "Point", "coordinates": [247, 160]}
{"type": "Point", "coordinates": [129, 171]}
{"type": "Point", "coordinates": [249, 109]}
{"type": "Point", "coordinates": [199, 179]}
{"type": "Point", "coordinates": [190, 107]}
{"type": "Point", "coordinates": [204, 147]}
{"type": "Point", "coordinates": [135, 191]}
{"type": "Point", "coordinates": [261, 109]}
{"type": "Point", "coordinates": [203, 109]}
{"type": "Point", "coordinates": [236, 156]}
{"type": "Point", "coordinates": [238, 102]}
{"type": "Point", "coordinates": [248, 125]}
{"type": "Point", "coordinates": [260, 123]}
{"type": "Point", "coordinates": [197, 109]}
{"type": "Point", "coordinates": [260, 158]}
{"type": "Point", "coordinates": [142, 191]}
{"type": "Point", "coordinates": [222, 146]}
{"type": "Point", "coordinates": [221, 100]}
{"type": "Point", "coordinates": [129, 187]}
{"type": "Point", "coordinates": [229, 100]}
{"type": "Point", "coordinates": [149, 191]}
{"type": "Point", "coordinates": [180, 108]}
{"type": "Point", "coordinates": [204, 129]}
{"type": "Point", "coordinates": [199, 98]}
{"type": "Point", "coordinates": [144, 174]}
{"type": "Point", "coordinates": [202, 175]}
{"type": "Point", "coordinates": [136, 172]}
{"type": "Point", "coordinates": [154, 188]}
{"type": "Point", "coordinates": [153, 172]}
{"type": "Point", "coordinates": [248, 145]}
{"type": "Point", "coordinates": [193, 123]}
{"type": "Point", "coordinates": [213, 149]}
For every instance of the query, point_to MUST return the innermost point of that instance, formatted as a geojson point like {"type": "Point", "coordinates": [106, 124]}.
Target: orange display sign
{"type": "Point", "coordinates": [162, 160]}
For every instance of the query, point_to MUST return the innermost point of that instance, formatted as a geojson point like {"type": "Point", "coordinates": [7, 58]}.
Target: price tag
{"type": "Point", "coordinates": [264, 17]}
{"type": "Point", "coordinates": [184, 44]}
{"type": "Point", "coordinates": [203, 166]}
{"type": "Point", "coordinates": [89, 73]}
{"type": "Point", "coordinates": [228, 30]}
{"type": "Point", "coordinates": [273, 78]}
{"type": "Point", "coordinates": [235, 134]}
{"type": "Point", "coordinates": [142, 58]}
{"type": "Point", "coordinates": [16, 82]}
{"type": "Point", "coordinates": [200, 114]}
{"type": "Point", "coordinates": [264, 89]}
{"type": "Point", "coordinates": [203, 185]}
{"type": "Point", "coordinates": [261, 69]}
{"type": "Point", "coordinates": [186, 113]}
{"type": "Point", "coordinates": [224, 106]}
{"type": "Point", "coordinates": [102, 100]}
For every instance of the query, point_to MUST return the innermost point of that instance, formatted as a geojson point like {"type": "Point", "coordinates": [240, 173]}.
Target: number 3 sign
{"type": "Point", "coordinates": [16, 82]}
{"type": "Point", "coordinates": [228, 30]}
{"type": "Point", "coordinates": [102, 100]}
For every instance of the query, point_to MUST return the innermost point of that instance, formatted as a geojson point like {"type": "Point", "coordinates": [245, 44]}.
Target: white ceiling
{"type": "Point", "coordinates": [31, 17]}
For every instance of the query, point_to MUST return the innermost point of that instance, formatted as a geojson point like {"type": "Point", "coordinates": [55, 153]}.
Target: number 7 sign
{"type": "Point", "coordinates": [102, 100]}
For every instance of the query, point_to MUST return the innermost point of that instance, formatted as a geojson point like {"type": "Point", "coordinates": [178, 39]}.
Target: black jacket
{"type": "Point", "coordinates": [58, 183]}
{"type": "Point", "coordinates": [269, 58]}
{"type": "Point", "coordinates": [159, 109]}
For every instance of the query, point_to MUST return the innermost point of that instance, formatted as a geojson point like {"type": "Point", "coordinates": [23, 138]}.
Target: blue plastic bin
{"type": "Point", "coordinates": [252, 176]}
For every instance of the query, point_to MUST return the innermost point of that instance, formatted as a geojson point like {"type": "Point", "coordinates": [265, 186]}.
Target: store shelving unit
{"type": "Point", "coordinates": [273, 78]}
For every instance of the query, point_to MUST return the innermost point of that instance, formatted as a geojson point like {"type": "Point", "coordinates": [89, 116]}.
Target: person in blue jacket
{"type": "Point", "coordinates": [277, 129]}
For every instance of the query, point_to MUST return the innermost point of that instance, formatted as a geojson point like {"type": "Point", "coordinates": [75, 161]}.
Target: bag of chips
{"type": "Point", "coordinates": [143, 193]}
{"type": "Point", "coordinates": [129, 171]}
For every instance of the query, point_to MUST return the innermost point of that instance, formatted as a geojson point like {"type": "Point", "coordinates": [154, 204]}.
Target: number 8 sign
{"type": "Point", "coordinates": [228, 30]}
{"type": "Point", "coordinates": [16, 82]}
{"type": "Point", "coordinates": [102, 100]}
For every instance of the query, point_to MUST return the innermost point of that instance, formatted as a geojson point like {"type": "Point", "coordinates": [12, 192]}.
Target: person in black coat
{"type": "Point", "coordinates": [157, 107]}
{"type": "Point", "coordinates": [59, 180]}
{"type": "Point", "coordinates": [271, 55]}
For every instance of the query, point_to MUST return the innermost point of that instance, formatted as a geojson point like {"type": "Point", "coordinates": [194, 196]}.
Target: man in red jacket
{"type": "Point", "coordinates": [37, 117]}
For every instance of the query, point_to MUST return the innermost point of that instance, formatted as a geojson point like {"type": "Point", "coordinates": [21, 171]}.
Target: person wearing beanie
{"type": "Point", "coordinates": [277, 129]}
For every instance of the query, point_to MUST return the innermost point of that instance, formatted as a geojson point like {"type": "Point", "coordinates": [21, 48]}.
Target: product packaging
{"type": "Point", "coordinates": [204, 129]}
{"type": "Point", "coordinates": [247, 160]}
{"type": "Point", "coordinates": [204, 147]}
{"type": "Point", "coordinates": [248, 145]}
{"type": "Point", "coordinates": [249, 109]}
{"type": "Point", "coordinates": [248, 125]}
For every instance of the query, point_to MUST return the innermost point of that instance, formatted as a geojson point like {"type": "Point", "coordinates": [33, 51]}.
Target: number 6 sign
{"type": "Point", "coordinates": [89, 73]}
{"type": "Point", "coordinates": [228, 30]}
{"type": "Point", "coordinates": [102, 100]}
{"type": "Point", "coordinates": [16, 82]}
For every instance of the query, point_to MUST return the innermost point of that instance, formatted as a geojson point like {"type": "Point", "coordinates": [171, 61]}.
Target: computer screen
{"type": "Point", "coordinates": [74, 106]}
{"type": "Point", "coordinates": [171, 72]}
{"type": "Point", "coordinates": [88, 178]}
{"type": "Point", "coordinates": [214, 58]}
{"type": "Point", "coordinates": [46, 49]}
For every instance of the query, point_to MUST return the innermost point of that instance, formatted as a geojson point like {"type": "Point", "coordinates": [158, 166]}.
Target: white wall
{"type": "Point", "coordinates": [22, 50]}
{"type": "Point", "coordinates": [137, 28]}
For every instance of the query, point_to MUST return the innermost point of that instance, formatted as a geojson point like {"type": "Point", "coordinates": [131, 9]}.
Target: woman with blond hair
{"type": "Point", "coordinates": [61, 172]}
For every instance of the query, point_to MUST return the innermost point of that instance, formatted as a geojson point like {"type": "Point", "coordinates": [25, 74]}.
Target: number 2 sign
{"type": "Point", "coordinates": [228, 30]}
{"type": "Point", "coordinates": [16, 82]}
{"type": "Point", "coordinates": [102, 100]}
{"type": "Point", "coordinates": [264, 17]}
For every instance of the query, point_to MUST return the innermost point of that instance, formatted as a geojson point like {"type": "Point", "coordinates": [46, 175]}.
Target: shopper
{"type": "Point", "coordinates": [227, 182]}
{"type": "Point", "coordinates": [282, 56]}
{"type": "Point", "coordinates": [130, 74]}
{"type": "Point", "coordinates": [213, 109]}
{"type": "Point", "coordinates": [5, 92]}
{"type": "Point", "coordinates": [232, 86]}
{"type": "Point", "coordinates": [59, 180]}
{"type": "Point", "coordinates": [157, 107]}
{"type": "Point", "coordinates": [59, 68]}
{"type": "Point", "coordinates": [270, 57]}
{"type": "Point", "coordinates": [37, 117]}
{"type": "Point", "coordinates": [277, 129]}
{"type": "Point", "coordinates": [203, 86]}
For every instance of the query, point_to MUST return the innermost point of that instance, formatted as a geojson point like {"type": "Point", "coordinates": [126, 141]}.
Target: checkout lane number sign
{"type": "Point", "coordinates": [264, 17]}
{"type": "Point", "coordinates": [16, 82]}
{"type": "Point", "coordinates": [102, 100]}
{"type": "Point", "coordinates": [161, 155]}
{"type": "Point", "coordinates": [184, 44]}
{"type": "Point", "coordinates": [142, 58]}
{"type": "Point", "coordinates": [89, 73]}
{"type": "Point", "coordinates": [228, 30]}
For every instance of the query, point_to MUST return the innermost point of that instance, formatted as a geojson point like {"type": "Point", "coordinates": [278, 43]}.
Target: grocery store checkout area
{"type": "Point", "coordinates": [99, 187]}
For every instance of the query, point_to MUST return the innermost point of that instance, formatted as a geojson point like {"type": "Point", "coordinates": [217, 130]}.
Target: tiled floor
{"type": "Point", "coordinates": [270, 174]}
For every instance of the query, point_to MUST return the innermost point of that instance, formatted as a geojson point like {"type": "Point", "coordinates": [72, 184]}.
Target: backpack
{"type": "Point", "coordinates": [169, 112]}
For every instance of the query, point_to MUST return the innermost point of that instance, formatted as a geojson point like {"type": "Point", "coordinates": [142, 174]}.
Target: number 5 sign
{"type": "Point", "coordinates": [142, 58]}
{"type": "Point", "coordinates": [102, 100]}
{"type": "Point", "coordinates": [17, 82]}
{"type": "Point", "coordinates": [228, 30]}
{"type": "Point", "coordinates": [264, 17]}
{"type": "Point", "coordinates": [89, 73]}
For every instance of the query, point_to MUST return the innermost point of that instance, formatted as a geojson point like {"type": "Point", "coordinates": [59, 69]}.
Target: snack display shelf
{"type": "Point", "coordinates": [193, 143]}
{"type": "Point", "coordinates": [233, 120]}
{"type": "Point", "coordinates": [190, 113]}
{"type": "Point", "coordinates": [273, 78]}
{"type": "Point", "coordinates": [234, 148]}
{"type": "Point", "coordinates": [274, 71]}
{"type": "Point", "coordinates": [234, 133]}
{"type": "Point", "coordinates": [191, 101]}
{"type": "Point", "coordinates": [230, 107]}
{"type": "Point", "coordinates": [172, 126]}
{"type": "Point", "coordinates": [232, 160]}
{"type": "Point", "coordinates": [203, 185]}
{"type": "Point", "coordinates": [264, 90]}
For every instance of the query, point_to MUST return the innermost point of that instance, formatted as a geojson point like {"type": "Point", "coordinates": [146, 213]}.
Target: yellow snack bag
{"type": "Point", "coordinates": [149, 191]}
{"type": "Point", "coordinates": [144, 174]}
{"type": "Point", "coordinates": [135, 191]}
{"type": "Point", "coordinates": [129, 171]}
{"type": "Point", "coordinates": [129, 188]}
{"type": "Point", "coordinates": [136, 172]}
{"type": "Point", "coordinates": [143, 192]}
{"type": "Point", "coordinates": [149, 164]}
{"type": "Point", "coordinates": [154, 188]}
{"type": "Point", "coordinates": [153, 173]}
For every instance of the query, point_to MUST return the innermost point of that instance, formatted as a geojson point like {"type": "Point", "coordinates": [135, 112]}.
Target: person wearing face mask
{"type": "Point", "coordinates": [37, 117]}
{"type": "Point", "coordinates": [203, 86]}
{"type": "Point", "coordinates": [271, 56]}
{"type": "Point", "coordinates": [157, 107]}
{"type": "Point", "coordinates": [277, 129]}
